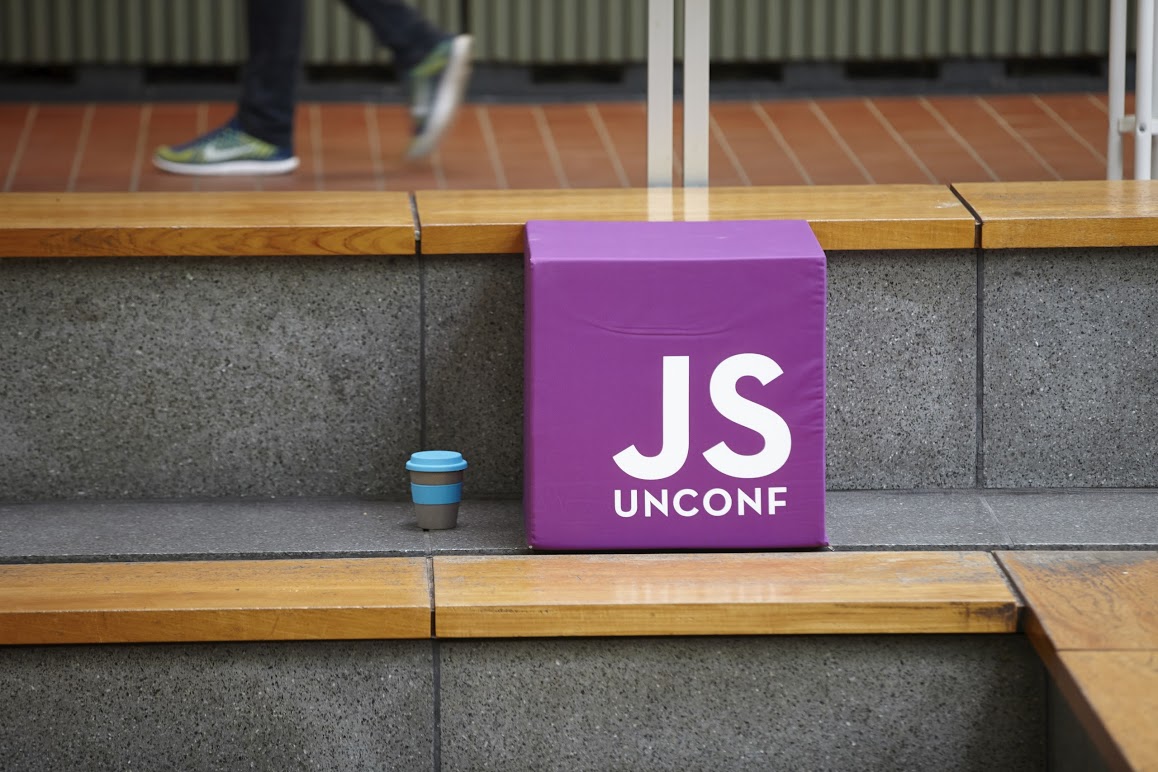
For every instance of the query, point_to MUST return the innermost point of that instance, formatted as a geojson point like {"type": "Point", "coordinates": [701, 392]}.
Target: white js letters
{"type": "Point", "coordinates": [676, 441]}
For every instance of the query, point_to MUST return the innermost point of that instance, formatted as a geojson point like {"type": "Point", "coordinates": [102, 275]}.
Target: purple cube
{"type": "Point", "coordinates": [674, 385]}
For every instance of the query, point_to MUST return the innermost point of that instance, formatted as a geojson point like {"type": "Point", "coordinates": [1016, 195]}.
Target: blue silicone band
{"type": "Point", "coordinates": [436, 494]}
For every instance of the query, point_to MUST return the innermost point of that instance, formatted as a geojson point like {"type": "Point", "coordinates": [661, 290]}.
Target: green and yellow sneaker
{"type": "Point", "coordinates": [227, 150]}
{"type": "Point", "coordinates": [437, 85]}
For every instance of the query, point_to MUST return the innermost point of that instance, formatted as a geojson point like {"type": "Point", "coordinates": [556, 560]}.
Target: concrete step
{"type": "Point", "coordinates": [306, 363]}
{"type": "Point", "coordinates": [816, 702]}
{"type": "Point", "coordinates": [349, 527]}
{"type": "Point", "coordinates": [819, 701]}
{"type": "Point", "coordinates": [692, 698]}
{"type": "Point", "coordinates": [257, 377]}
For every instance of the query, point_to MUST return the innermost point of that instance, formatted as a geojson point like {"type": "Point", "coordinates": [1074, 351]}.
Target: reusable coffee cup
{"type": "Point", "coordinates": [436, 487]}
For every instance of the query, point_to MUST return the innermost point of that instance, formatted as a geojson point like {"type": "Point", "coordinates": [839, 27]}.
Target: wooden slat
{"type": "Point", "coordinates": [205, 224]}
{"type": "Point", "coordinates": [1115, 695]}
{"type": "Point", "coordinates": [1089, 600]}
{"type": "Point", "coordinates": [721, 594]}
{"type": "Point", "coordinates": [843, 217]}
{"type": "Point", "coordinates": [1092, 213]}
{"type": "Point", "coordinates": [214, 601]}
{"type": "Point", "coordinates": [1093, 617]}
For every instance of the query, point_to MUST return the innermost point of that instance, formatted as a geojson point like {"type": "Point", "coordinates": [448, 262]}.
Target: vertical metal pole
{"type": "Point", "coordinates": [1153, 100]}
{"type": "Point", "coordinates": [1144, 92]}
{"type": "Point", "coordinates": [660, 90]}
{"type": "Point", "coordinates": [697, 55]}
{"type": "Point", "coordinates": [1117, 96]}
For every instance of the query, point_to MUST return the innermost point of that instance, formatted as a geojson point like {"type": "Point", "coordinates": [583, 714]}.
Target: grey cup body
{"type": "Point", "coordinates": [436, 517]}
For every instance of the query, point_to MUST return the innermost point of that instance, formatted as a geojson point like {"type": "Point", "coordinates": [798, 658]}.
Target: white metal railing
{"type": "Point", "coordinates": [1141, 123]}
{"type": "Point", "coordinates": [660, 91]}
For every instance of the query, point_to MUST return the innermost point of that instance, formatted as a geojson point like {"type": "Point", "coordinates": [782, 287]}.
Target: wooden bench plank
{"type": "Point", "coordinates": [200, 224]}
{"type": "Point", "coordinates": [1115, 696]}
{"type": "Point", "coordinates": [1089, 600]}
{"type": "Point", "coordinates": [1091, 213]}
{"type": "Point", "coordinates": [214, 601]}
{"type": "Point", "coordinates": [1093, 618]}
{"type": "Point", "coordinates": [860, 217]}
{"type": "Point", "coordinates": [721, 594]}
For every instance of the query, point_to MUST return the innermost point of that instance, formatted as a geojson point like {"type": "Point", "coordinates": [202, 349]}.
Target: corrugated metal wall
{"type": "Point", "coordinates": [120, 31]}
{"type": "Point", "coordinates": [543, 31]}
{"type": "Point", "coordinates": [799, 30]}
{"type": "Point", "coordinates": [795, 30]}
{"type": "Point", "coordinates": [176, 32]}
{"type": "Point", "coordinates": [558, 31]}
{"type": "Point", "coordinates": [335, 36]}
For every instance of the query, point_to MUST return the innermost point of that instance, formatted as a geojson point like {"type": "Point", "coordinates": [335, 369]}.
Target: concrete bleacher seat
{"type": "Point", "coordinates": [1090, 614]}
{"type": "Point", "coordinates": [942, 437]}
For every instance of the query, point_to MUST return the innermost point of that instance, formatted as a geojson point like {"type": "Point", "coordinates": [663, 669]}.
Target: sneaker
{"type": "Point", "coordinates": [227, 150]}
{"type": "Point", "coordinates": [436, 89]}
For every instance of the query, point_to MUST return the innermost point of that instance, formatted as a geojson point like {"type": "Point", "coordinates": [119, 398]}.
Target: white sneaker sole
{"type": "Point", "coordinates": [447, 100]}
{"type": "Point", "coordinates": [228, 168]}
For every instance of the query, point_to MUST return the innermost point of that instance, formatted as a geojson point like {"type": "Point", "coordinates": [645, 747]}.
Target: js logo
{"type": "Point", "coordinates": [728, 403]}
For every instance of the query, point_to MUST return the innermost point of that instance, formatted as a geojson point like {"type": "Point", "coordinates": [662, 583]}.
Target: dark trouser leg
{"type": "Point", "coordinates": [401, 28]}
{"type": "Point", "coordinates": [270, 78]}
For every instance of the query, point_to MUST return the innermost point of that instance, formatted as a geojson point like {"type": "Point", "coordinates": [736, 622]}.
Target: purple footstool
{"type": "Point", "coordinates": [674, 385]}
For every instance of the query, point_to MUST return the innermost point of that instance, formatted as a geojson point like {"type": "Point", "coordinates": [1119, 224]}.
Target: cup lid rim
{"type": "Point", "coordinates": [436, 461]}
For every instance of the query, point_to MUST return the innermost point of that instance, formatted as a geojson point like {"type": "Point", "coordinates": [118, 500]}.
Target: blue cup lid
{"type": "Point", "coordinates": [436, 461]}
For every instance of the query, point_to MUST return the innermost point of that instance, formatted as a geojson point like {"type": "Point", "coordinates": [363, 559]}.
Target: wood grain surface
{"type": "Point", "coordinates": [856, 217]}
{"type": "Point", "coordinates": [214, 601]}
{"type": "Point", "coordinates": [1093, 618]}
{"type": "Point", "coordinates": [1090, 213]}
{"type": "Point", "coordinates": [205, 224]}
{"type": "Point", "coordinates": [1115, 694]}
{"type": "Point", "coordinates": [1089, 599]}
{"type": "Point", "coordinates": [721, 594]}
